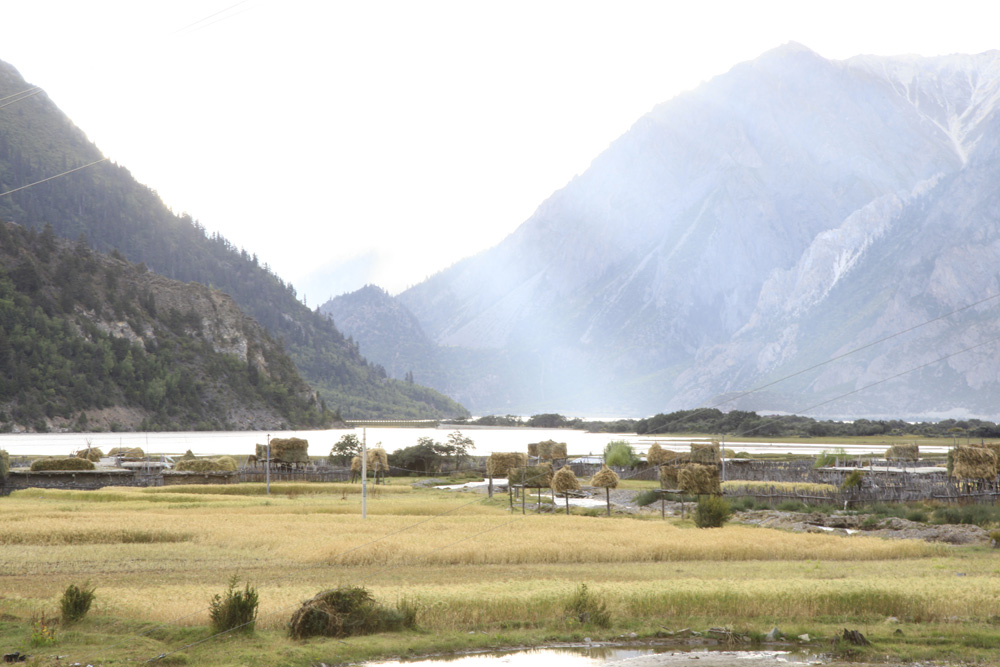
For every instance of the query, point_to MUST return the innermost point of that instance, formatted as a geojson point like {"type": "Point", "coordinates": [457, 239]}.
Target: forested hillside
{"type": "Point", "coordinates": [92, 342]}
{"type": "Point", "coordinates": [106, 208]}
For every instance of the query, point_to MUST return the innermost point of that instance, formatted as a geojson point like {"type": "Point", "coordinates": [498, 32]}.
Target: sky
{"type": "Point", "coordinates": [381, 141]}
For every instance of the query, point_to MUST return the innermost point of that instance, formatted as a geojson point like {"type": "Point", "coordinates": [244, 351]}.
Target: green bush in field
{"type": "Point", "coordinates": [712, 512]}
{"type": "Point", "coordinates": [646, 497]}
{"type": "Point", "coordinates": [236, 611]}
{"type": "Point", "coordinates": [68, 463]}
{"type": "Point", "coordinates": [75, 602]}
{"type": "Point", "coordinates": [4, 463]}
{"type": "Point", "coordinates": [585, 607]}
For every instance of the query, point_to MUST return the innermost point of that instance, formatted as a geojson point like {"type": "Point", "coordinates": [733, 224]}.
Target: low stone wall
{"type": "Point", "coordinates": [72, 479]}
{"type": "Point", "coordinates": [172, 478]}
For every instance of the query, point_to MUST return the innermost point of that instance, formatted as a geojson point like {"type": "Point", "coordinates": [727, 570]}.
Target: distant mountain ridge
{"type": "Point", "coordinates": [106, 207]}
{"type": "Point", "coordinates": [780, 215]}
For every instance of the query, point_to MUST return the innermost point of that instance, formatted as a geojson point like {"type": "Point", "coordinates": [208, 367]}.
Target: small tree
{"type": "Point", "coordinates": [75, 602]}
{"type": "Point", "coordinates": [345, 449]}
{"type": "Point", "coordinates": [619, 453]}
{"type": "Point", "coordinates": [236, 611]}
{"type": "Point", "coordinates": [458, 447]}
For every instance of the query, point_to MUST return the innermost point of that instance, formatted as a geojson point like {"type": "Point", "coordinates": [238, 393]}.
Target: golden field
{"type": "Point", "coordinates": [157, 556]}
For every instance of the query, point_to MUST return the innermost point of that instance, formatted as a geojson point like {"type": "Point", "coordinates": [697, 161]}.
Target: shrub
{"type": "Point", "coordinates": [4, 463]}
{"type": "Point", "coordinates": [43, 632]}
{"type": "Point", "coordinates": [852, 480]}
{"type": "Point", "coordinates": [68, 463]}
{"type": "Point", "coordinates": [712, 512]}
{"type": "Point", "coordinates": [647, 497]}
{"type": "Point", "coordinates": [619, 453]}
{"type": "Point", "coordinates": [586, 608]}
{"type": "Point", "coordinates": [236, 611]}
{"type": "Point", "coordinates": [347, 611]}
{"type": "Point", "coordinates": [75, 602]}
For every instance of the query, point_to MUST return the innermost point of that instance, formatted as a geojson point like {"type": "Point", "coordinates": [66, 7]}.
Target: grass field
{"type": "Point", "coordinates": [157, 556]}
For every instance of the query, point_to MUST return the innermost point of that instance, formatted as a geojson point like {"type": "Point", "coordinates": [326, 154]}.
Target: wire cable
{"type": "Point", "coordinates": [855, 350]}
{"type": "Point", "coordinates": [51, 178]}
{"type": "Point", "coordinates": [37, 90]}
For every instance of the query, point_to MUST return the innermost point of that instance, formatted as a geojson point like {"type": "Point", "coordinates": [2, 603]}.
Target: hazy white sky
{"type": "Point", "coordinates": [393, 138]}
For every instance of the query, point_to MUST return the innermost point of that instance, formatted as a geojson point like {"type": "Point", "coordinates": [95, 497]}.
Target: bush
{"type": "Point", "coordinates": [4, 463]}
{"type": "Point", "coordinates": [586, 608]}
{"type": "Point", "coordinates": [852, 480]}
{"type": "Point", "coordinates": [68, 463]}
{"type": "Point", "coordinates": [620, 454]}
{"type": "Point", "coordinates": [75, 602]}
{"type": "Point", "coordinates": [647, 497]}
{"type": "Point", "coordinates": [347, 611]}
{"type": "Point", "coordinates": [712, 512]}
{"type": "Point", "coordinates": [236, 611]}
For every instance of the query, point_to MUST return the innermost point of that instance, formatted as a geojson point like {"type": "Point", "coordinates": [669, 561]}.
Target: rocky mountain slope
{"type": "Point", "coordinates": [106, 207]}
{"type": "Point", "coordinates": [92, 342]}
{"type": "Point", "coordinates": [779, 216]}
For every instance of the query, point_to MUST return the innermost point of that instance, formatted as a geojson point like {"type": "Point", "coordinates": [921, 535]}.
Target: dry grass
{"type": "Point", "coordinates": [157, 555]}
{"type": "Point", "coordinates": [784, 487]}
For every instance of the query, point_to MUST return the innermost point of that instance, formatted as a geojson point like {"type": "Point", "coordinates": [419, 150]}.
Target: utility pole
{"type": "Point", "coordinates": [364, 473]}
{"type": "Point", "coordinates": [268, 464]}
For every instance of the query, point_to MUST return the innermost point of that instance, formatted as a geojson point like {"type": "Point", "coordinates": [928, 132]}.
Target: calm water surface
{"type": "Point", "coordinates": [487, 441]}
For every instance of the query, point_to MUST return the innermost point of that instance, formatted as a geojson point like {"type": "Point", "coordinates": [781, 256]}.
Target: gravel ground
{"type": "Point", "coordinates": [623, 501]}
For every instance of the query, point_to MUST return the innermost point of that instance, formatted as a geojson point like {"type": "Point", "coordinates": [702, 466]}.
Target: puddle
{"type": "Point", "coordinates": [605, 656]}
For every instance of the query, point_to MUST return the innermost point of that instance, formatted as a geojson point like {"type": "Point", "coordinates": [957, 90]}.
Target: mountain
{"type": "Point", "coordinates": [93, 342]}
{"type": "Point", "coordinates": [779, 216]}
{"type": "Point", "coordinates": [103, 205]}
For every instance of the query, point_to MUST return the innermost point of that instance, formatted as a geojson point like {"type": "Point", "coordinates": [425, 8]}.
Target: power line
{"type": "Point", "coordinates": [26, 90]}
{"type": "Point", "coordinates": [855, 350]}
{"type": "Point", "coordinates": [51, 178]}
{"type": "Point", "coordinates": [20, 99]}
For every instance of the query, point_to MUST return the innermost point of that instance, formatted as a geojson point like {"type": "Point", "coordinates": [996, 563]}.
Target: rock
{"type": "Point", "coordinates": [892, 619]}
{"type": "Point", "coordinates": [774, 635]}
{"type": "Point", "coordinates": [804, 637]}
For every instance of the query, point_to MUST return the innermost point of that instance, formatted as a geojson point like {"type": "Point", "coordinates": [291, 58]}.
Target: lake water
{"type": "Point", "coordinates": [487, 441]}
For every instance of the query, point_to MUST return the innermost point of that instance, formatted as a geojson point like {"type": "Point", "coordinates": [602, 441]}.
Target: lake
{"type": "Point", "coordinates": [487, 441]}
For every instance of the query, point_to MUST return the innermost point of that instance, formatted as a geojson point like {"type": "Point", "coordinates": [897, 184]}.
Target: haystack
{"type": "Point", "coordinates": [91, 454]}
{"type": "Point", "coordinates": [499, 463]}
{"type": "Point", "coordinates": [344, 612]}
{"type": "Point", "coordinates": [221, 464]}
{"type": "Point", "coordinates": [657, 456]}
{"type": "Point", "coordinates": [606, 478]}
{"type": "Point", "coordinates": [565, 481]}
{"type": "Point", "coordinates": [547, 449]}
{"type": "Point", "coordinates": [668, 476]}
{"type": "Point", "coordinates": [189, 455]}
{"type": "Point", "coordinates": [289, 450]}
{"type": "Point", "coordinates": [68, 463]}
{"type": "Point", "coordinates": [378, 459]}
{"type": "Point", "coordinates": [356, 464]}
{"type": "Point", "coordinates": [127, 452]}
{"type": "Point", "coordinates": [704, 453]}
{"type": "Point", "coordinates": [697, 479]}
{"type": "Point", "coordinates": [532, 477]}
{"type": "Point", "coordinates": [903, 453]}
{"type": "Point", "coordinates": [975, 463]}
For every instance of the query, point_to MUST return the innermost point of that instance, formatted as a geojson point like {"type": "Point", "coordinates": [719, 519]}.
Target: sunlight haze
{"type": "Point", "coordinates": [379, 142]}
